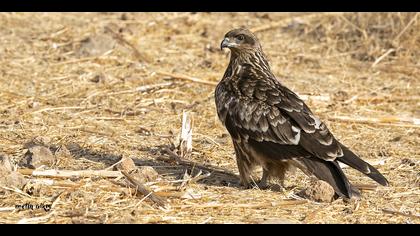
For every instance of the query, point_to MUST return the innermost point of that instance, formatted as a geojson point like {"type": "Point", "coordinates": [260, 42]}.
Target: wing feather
{"type": "Point", "coordinates": [265, 110]}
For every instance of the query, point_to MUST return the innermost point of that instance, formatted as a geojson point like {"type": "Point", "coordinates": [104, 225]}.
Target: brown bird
{"type": "Point", "coordinates": [272, 127]}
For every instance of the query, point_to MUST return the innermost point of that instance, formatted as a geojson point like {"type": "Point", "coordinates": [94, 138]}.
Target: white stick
{"type": "Point", "coordinates": [185, 144]}
{"type": "Point", "coordinates": [4, 209]}
{"type": "Point", "coordinates": [70, 173]}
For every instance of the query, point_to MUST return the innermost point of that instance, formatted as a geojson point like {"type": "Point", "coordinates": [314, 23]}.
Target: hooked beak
{"type": "Point", "coordinates": [226, 44]}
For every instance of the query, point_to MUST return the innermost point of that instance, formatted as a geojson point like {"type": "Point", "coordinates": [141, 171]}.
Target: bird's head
{"type": "Point", "coordinates": [239, 40]}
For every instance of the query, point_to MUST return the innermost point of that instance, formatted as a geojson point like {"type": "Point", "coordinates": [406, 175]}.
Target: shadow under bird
{"type": "Point", "coordinates": [272, 127]}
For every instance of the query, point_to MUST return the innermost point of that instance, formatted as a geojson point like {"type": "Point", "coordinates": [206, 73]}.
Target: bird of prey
{"type": "Point", "coordinates": [272, 127]}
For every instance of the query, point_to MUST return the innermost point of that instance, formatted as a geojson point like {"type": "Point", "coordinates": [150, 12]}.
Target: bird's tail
{"type": "Point", "coordinates": [330, 172]}
{"type": "Point", "coordinates": [352, 160]}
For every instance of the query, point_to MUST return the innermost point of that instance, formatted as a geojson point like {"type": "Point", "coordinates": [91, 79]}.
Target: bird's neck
{"type": "Point", "coordinates": [255, 58]}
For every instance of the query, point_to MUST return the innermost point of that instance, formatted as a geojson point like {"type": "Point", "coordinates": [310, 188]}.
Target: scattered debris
{"type": "Point", "coordinates": [120, 39]}
{"type": "Point", "coordinates": [142, 189]}
{"type": "Point", "coordinates": [38, 156]}
{"type": "Point", "coordinates": [408, 162]}
{"type": "Point", "coordinates": [126, 164]}
{"type": "Point", "coordinates": [95, 45]}
{"type": "Point", "coordinates": [97, 78]}
{"type": "Point", "coordinates": [409, 214]}
{"type": "Point", "coordinates": [5, 163]}
{"type": "Point", "coordinates": [73, 147]}
{"type": "Point", "coordinates": [142, 174]}
{"type": "Point", "coordinates": [319, 191]}
{"type": "Point", "coordinates": [148, 173]}
{"type": "Point", "coordinates": [276, 221]}
{"type": "Point", "coordinates": [8, 177]}
{"type": "Point", "coordinates": [62, 153]}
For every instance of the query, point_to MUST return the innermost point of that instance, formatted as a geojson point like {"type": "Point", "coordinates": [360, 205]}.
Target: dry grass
{"type": "Point", "coordinates": [86, 81]}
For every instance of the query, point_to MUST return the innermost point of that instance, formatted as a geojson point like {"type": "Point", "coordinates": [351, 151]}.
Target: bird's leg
{"type": "Point", "coordinates": [277, 171]}
{"type": "Point", "coordinates": [244, 166]}
{"type": "Point", "coordinates": [244, 174]}
{"type": "Point", "coordinates": [263, 184]}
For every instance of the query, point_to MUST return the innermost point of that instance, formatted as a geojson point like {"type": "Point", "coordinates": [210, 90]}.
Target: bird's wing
{"type": "Point", "coordinates": [249, 118]}
{"type": "Point", "coordinates": [267, 111]}
{"type": "Point", "coordinates": [315, 136]}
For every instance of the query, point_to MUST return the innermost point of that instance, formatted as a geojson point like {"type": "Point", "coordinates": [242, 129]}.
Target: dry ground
{"type": "Point", "coordinates": [66, 81]}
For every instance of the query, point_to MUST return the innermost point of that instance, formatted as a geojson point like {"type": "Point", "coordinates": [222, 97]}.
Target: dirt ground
{"type": "Point", "coordinates": [95, 87]}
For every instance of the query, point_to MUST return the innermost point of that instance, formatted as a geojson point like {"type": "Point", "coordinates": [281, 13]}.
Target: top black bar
{"type": "Point", "coordinates": [214, 5]}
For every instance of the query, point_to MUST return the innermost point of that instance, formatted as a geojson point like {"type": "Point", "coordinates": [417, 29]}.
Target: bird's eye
{"type": "Point", "coordinates": [240, 37]}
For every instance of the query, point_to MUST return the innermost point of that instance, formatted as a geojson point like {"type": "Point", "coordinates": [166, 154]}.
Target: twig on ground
{"type": "Point", "coordinates": [382, 57]}
{"type": "Point", "coordinates": [144, 190]}
{"type": "Point", "coordinates": [321, 98]}
{"type": "Point", "coordinates": [36, 220]}
{"type": "Point", "coordinates": [411, 215]}
{"type": "Point", "coordinates": [123, 41]}
{"type": "Point", "coordinates": [381, 98]}
{"type": "Point", "coordinates": [406, 27]}
{"type": "Point", "coordinates": [284, 22]}
{"type": "Point", "coordinates": [127, 113]}
{"type": "Point", "coordinates": [70, 173]}
{"type": "Point", "coordinates": [186, 77]}
{"type": "Point", "coordinates": [208, 138]}
{"type": "Point", "coordinates": [5, 209]}
{"type": "Point", "coordinates": [187, 179]}
{"type": "Point", "coordinates": [355, 26]}
{"type": "Point", "coordinates": [261, 205]}
{"type": "Point", "coordinates": [142, 89]}
{"type": "Point", "coordinates": [199, 176]}
{"type": "Point", "coordinates": [16, 190]}
{"type": "Point", "coordinates": [75, 61]}
{"type": "Point", "coordinates": [61, 108]}
{"type": "Point", "coordinates": [107, 118]}
{"type": "Point", "coordinates": [384, 121]}
{"type": "Point", "coordinates": [368, 187]}
{"type": "Point", "coordinates": [91, 131]}
{"type": "Point", "coordinates": [172, 155]}
{"type": "Point", "coordinates": [52, 182]}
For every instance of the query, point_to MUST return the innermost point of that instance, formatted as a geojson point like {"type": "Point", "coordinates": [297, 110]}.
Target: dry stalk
{"type": "Point", "coordinates": [123, 41]}
{"type": "Point", "coordinates": [61, 108]}
{"type": "Point", "coordinates": [70, 173]}
{"type": "Point", "coordinates": [367, 187]}
{"type": "Point", "coordinates": [141, 188]}
{"type": "Point", "coordinates": [184, 143]}
{"type": "Point", "coordinates": [407, 26]}
{"type": "Point", "coordinates": [261, 205]}
{"type": "Point", "coordinates": [284, 22]}
{"type": "Point", "coordinates": [142, 89]}
{"type": "Point", "coordinates": [384, 121]}
{"type": "Point", "coordinates": [411, 215]}
{"type": "Point", "coordinates": [186, 77]}
{"type": "Point", "coordinates": [382, 57]}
